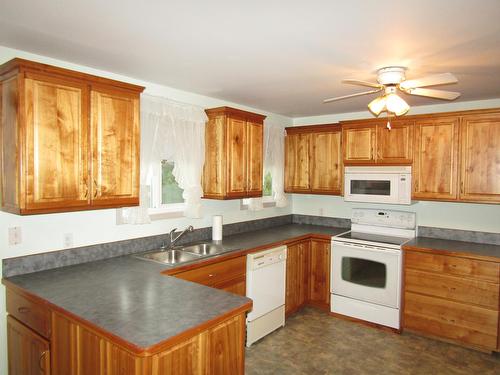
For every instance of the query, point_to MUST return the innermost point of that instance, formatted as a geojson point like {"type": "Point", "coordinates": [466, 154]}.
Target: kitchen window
{"type": "Point", "coordinates": [166, 195]}
{"type": "Point", "coordinates": [267, 192]}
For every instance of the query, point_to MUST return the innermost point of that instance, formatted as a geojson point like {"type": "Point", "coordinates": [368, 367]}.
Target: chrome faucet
{"type": "Point", "coordinates": [173, 240]}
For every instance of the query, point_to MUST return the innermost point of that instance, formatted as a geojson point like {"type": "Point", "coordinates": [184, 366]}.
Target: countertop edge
{"type": "Point", "coordinates": [137, 350]}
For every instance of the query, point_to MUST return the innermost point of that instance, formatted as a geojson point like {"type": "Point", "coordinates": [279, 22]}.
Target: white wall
{"type": "Point", "coordinates": [41, 233]}
{"type": "Point", "coordinates": [480, 217]}
{"type": "Point", "coordinates": [467, 216]}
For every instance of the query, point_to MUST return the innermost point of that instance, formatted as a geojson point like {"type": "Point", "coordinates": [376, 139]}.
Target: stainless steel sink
{"type": "Point", "coordinates": [206, 248]}
{"type": "Point", "coordinates": [174, 256]}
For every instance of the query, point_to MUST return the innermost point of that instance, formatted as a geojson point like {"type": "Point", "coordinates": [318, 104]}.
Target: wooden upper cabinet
{"type": "Point", "coordinates": [326, 162]}
{"type": "Point", "coordinates": [56, 134]}
{"type": "Point", "coordinates": [237, 160]}
{"type": "Point", "coordinates": [313, 159]}
{"type": "Point", "coordinates": [115, 147]}
{"type": "Point", "coordinates": [297, 162]}
{"type": "Point", "coordinates": [480, 158]}
{"type": "Point", "coordinates": [255, 150]}
{"type": "Point", "coordinates": [233, 154]}
{"type": "Point", "coordinates": [435, 171]}
{"type": "Point", "coordinates": [69, 141]}
{"type": "Point", "coordinates": [371, 142]}
{"type": "Point", "coordinates": [395, 145]}
{"type": "Point", "coordinates": [359, 144]}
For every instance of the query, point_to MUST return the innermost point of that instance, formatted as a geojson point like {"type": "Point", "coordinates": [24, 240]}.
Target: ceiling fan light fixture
{"type": "Point", "coordinates": [378, 105]}
{"type": "Point", "coordinates": [396, 105]}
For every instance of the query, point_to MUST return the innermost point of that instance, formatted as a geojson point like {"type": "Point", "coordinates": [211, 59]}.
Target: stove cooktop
{"type": "Point", "coordinates": [376, 239]}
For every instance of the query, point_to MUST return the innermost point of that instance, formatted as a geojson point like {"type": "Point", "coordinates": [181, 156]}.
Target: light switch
{"type": "Point", "coordinates": [68, 240]}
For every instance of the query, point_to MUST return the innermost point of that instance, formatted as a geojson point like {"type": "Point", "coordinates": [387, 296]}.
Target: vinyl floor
{"type": "Point", "coordinates": [312, 342]}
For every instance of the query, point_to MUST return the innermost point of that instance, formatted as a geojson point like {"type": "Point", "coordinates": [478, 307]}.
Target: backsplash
{"type": "Point", "coordinates": [44, 261]}
{"type": "Point", "coordinates": [460, 235]}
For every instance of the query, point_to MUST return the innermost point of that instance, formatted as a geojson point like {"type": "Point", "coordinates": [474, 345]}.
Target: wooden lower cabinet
{"type": "Point", "coordinates": [28, 352]}
{"type": "Point", "coordinates": [319, 273]}
{"type": "Point", "coordinates": [308, 275]}
{"type": "Point", "coordinates": [297, 276]}
{"type": "Point", "coordinates": [75, 348]}
{"type": "Point", "coordinates": [228, 275]}
{"type": "Point", "coordinates": [452, 298]}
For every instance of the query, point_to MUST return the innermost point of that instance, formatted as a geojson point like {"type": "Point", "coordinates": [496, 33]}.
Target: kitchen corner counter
{"type": "Point", "coordinates": [472, 250]}
{"type": "Point", "coordinates": [133, 301]}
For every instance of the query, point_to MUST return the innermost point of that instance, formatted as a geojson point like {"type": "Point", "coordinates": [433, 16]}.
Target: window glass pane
{"type": "Point", "coordinates": [371, 187]}
{"type": "Point", "coordinates": [364, 272]}
{"type": "Point", "coordinates": [170, 190]}
{"type": "Point", "coordinates": [268, 185]}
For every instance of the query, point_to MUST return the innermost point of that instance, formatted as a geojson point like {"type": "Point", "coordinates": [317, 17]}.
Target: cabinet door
{"type": "Point", "coordinates": [435, 169]}
{"type": "Point", "coordinates": [297, 276]}
{"type": "Point", "coordinates": [359, 144]}
{"type": "Point", "coordinates": [115, 147]}
{"type": "Point", "coordinates": [480, 153]}
{"type": "Point", "coordinates": [326, 162]}
{"type": "Point", "coordinates": [319, 273]}
{"type": "Point", "coordinates": [225, 354]}
{"type": "Point", "coordinates": [183, 359]}
{"type": "Point", "coordinates": [214, 170]}
{"type": "Point", "coordinates": [28, 353]}
{"type": "Point", "coordinates": [297, 163]}
{"type": "Point", "coordinates": [56, 143]}
{"type": "Point", "coordinates": [236, 134]}
{"type": "Point", "coordinates": [254, 144]}
{"type": "Point", "coordinates": [395, 145]}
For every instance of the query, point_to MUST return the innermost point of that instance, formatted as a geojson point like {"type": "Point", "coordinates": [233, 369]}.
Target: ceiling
{"type": "Point", "coordinates": [280, 56]}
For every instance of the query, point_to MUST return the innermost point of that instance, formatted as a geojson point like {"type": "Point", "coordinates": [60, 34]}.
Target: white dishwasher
{"type": "Point", "coordinates": [266, 278]}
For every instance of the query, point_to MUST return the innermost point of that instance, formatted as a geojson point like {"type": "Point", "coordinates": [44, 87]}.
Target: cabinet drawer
{"type": "Point", "coordinates": [468, 324]}
{"type": "Point", "coordinates": [453, 287]}
{"type": "Point", "coordinates": [34, 315]}
{"type": "Point", "coordinates": [217, 272]}
{"type": "Point", "coordinates": [487, 271]}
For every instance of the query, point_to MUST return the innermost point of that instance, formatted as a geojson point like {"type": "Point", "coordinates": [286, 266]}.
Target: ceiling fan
{"type": "Point", "coordinates": [390, 80]}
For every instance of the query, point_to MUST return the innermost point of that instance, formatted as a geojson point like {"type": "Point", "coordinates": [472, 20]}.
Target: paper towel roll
{"type": "Point", "coordinates": [217, 228]}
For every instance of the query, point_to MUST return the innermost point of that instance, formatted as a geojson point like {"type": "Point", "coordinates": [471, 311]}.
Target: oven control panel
{"type": "Point", "coordinates": [384, 218]}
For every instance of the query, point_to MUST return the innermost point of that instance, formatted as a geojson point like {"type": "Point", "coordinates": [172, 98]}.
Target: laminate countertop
{"type": "Point", "coordinates": [471, 250]}
{"type": "Point", "coordinates": [131, 299]}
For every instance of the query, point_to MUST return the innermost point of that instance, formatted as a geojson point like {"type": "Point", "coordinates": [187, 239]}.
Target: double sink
{"type": "Point", "coordinates": [183, 254]}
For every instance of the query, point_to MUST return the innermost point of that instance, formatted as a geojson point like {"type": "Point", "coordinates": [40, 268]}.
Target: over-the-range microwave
{"type": "Point", "coordinates": [375, 184]}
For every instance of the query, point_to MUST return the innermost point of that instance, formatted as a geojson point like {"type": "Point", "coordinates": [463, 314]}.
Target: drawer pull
{"type": "Point", "coordinates": [210, 275]}
{"type": "Point", "coordinates": [42, 356]}
{"type": "Point", "coordinates": [23, 310]}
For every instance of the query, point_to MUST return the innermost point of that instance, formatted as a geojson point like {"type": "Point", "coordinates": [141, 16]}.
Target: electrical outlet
{"type": "Point", "coordinates": [15, 236]}
{"type": "Point", "coordinates": [321, 211]}
{"type": "Point", "coordinates": [68, 240]}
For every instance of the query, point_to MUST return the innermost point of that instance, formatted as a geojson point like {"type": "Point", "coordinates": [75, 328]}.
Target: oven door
{"type": "Point", "coordinates": [367, 273]}
{"type": "Point", "coordinates": [376, 187]}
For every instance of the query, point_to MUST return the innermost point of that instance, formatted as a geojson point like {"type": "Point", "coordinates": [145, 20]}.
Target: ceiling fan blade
{"type": "Point", "coordinates": [436, 79]}
{"type": "Point", "coordinates": [438, 94]}
{"type": "Point", "coordinates": [362, 83]}
{"type": "Point", "coordinates": [351, 96]}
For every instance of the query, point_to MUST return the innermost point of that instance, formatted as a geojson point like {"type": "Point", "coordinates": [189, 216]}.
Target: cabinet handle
{"type": "Point", "coordinates": [42, 356]}
{"type": "Point", "coordinates": [210, 275]}
{"type": "Point", "coordinates": [462, 187]}
{"type": "Point", "coordinates": [23, 310]}
{"type": "Point", "coordinates": [86, 190]}
{"type": "Point", "coordinates": [95, 189]}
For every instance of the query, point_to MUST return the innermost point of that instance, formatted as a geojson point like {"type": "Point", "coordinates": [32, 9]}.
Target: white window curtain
{"type": "Point", "coordinates": [274, 161]}
{"type": "Point", "coordinates": [274, 148]}
{"type": "Point", "coordinates": [176, 132]}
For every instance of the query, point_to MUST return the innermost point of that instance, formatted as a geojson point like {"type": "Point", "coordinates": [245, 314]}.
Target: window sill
{"type": "Point", "coordinates": [164, 213]}
{"type": "Point", "coordinates": [268, 204]}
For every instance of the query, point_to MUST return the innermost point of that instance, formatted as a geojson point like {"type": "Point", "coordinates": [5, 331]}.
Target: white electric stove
{"type": "Point", "coordinates": [366, 265]}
